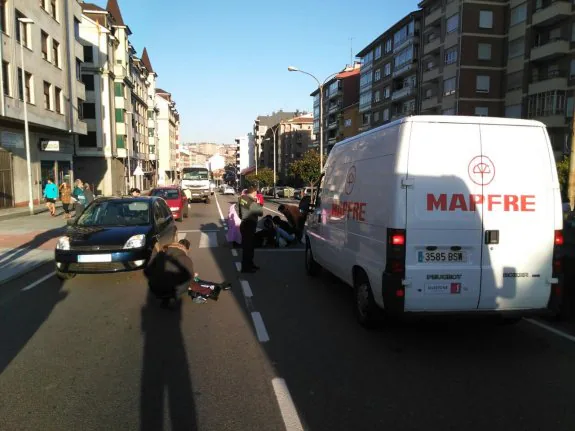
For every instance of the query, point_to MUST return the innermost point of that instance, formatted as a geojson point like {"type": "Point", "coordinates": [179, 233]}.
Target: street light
{"type": "Point", "coordinates": [274, 129]}
{"type": "Point", "coordinates": [24, 22]}
{"type": "Point", "coordinates": [320, 86]}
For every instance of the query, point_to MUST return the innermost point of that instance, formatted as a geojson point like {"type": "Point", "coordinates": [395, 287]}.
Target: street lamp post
{"type": "Point", "coordinates": [274, 130]}
{"type": "Point", "coordinates": [24, 22]}
{"type": "Point", "coordinates": [320, 86]}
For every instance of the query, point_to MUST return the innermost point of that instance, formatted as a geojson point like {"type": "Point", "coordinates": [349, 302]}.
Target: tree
{"type": "Point", "coordinates": [563, 174]}
{"type": "Point", "coordinates": [264, 178]}
{"type": "Point", "coordinates": [307, 168]}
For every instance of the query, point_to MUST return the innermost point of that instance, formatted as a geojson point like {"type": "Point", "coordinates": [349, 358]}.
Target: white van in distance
{"type": "Point", "coordinates": [442, 214]}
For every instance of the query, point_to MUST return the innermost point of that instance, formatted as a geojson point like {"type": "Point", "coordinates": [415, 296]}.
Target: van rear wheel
{"type": "Point", "coordinates": [311, 266]}
{"type": "Point", "coordinates": [367, 312]}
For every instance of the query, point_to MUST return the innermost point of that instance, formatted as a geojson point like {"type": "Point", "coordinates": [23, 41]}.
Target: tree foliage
{"type": "Point", "coordinates": [307, 168]}
{"type": "Point", "coordinates": [563, 174]}
{"type": "Point", "coordinates": [264, 178]}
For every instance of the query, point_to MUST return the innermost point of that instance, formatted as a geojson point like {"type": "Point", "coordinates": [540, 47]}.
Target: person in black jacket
{"type": "Point", "coordinates": [249, 211]}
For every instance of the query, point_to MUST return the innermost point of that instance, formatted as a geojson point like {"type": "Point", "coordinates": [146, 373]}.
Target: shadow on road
{"type": "Point", "coordinates": [33, 244]}
{"type": "Point", "coordinates": [23, 315]}
{"type": "Point", "coordinates": [165, 373]}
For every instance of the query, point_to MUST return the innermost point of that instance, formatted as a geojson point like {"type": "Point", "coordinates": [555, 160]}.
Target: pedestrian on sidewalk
{"type": "Point", "coordinates": [135, 192]}
{"type": "Point", "coordinates": [249, 212]}
{"type": "Point", "coordinates": [79, 197]}
{"type": "Point", "coordinates": [51, 194]}
{"type": "Point", "coordinates": [88, 193]}
{"type": "Point", "coordinates": [66, 198]}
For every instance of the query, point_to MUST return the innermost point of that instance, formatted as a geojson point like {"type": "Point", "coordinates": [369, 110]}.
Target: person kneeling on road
{"type": "Point", "coordinates": [249, 212]}
{"type": "Point", "coordinates": [170, 274]}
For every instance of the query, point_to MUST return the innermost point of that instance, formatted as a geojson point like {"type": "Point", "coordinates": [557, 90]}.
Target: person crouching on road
{"type": "Point", "coordinates": [51, 194]}
{"type": "Point", "coordinates": [295, 218]}
{"type": "Point", "coordinates": [249, 212]}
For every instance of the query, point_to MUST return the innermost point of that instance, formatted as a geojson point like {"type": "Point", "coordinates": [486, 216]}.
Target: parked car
{"type": "Point", "coordinates": [229, 190]}
{"type": "Point", "coordinates": [176, 200]}
{"type": "Point", "coordinates": [114, 234]}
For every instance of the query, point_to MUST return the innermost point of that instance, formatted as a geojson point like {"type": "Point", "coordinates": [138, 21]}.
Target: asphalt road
{"type": "Point", "coordinates": [280, 350]}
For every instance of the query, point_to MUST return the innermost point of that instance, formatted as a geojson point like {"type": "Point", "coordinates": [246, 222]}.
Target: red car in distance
{"type": "Point", "coordinates": [176, 200]}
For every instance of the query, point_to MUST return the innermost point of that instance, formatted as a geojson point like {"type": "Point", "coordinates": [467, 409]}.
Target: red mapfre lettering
{"type": "Point", "coordinates": [349, 210]}
{"type": "Point", "coordinates": [461, 202]}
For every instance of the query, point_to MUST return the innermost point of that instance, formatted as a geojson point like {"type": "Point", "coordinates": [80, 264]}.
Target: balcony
{"type": "Point", "coordinates": [334, 108]}
{"type": "Point", "coordinates": [553, 120]}
{"type": "Point", "coordinates": [433, 17]}
{"type": "Point", "coordinates": [332, 125]}
{"type": "Point", "coordinates": [555, 11]}
{"type": "Point", "coordinates": [553, 49]}
{"type": "Point", "coordinates": [432, 45]}
{"type": "Point", "coordinates": [406, 68]}
{"type": "Point", "coordinates": [402, 92]}
{"type": "Point", "coordinates": [411, 39]}
{"type": "Point", "coordinates": [119, 71]}
{"type": "Point", "coordinates": [338, 91]}
{"type": "Point", "coordinates": [431, 75]}
{"type": "Point", "coordinates": [429, 103]}
{"type": "Point", "coordinates": [550, 82]}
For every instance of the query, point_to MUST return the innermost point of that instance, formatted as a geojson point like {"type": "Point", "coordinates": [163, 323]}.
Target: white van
{"type": "Point", "coordinates": [442, 214]}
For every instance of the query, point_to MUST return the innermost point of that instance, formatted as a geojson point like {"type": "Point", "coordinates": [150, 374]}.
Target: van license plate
{"type": "Point", "coordinates": [441, 256]}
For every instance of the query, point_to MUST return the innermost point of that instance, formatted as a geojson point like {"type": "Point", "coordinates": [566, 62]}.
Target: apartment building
{"type": "Point", "coordinates": [152, 118]}
{"type": "Point", "coordinates": [262, 148]}
{"type": "Point", "coordinates": [45, 89]}
{"type": "Point", "coordinates": [340, 94]}
{"type": "Point", "coordinates": [168, 136]}
{"type": "Point", "coordinates": [295, 138]}
{"type": "Point", "coordinates": [389, 79]}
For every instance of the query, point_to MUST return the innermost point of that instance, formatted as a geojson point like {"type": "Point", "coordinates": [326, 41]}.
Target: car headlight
{"type": "Point", "coordinates": [174, 208]}
{"type": "Point", "coordinates": [137, 241]}
{"type": "Point", "coordinates": [63, 243]}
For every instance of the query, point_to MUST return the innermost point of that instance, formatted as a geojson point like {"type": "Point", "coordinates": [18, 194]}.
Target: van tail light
{"type": "Point", "coordinates": [556, 297]}
{"type": "Point", "coordinates": [396, 252]}
{"type": "Point", "coordinates": [392, 283]}
{"type": "Point", "coordinates": [558, 253]}
{"type": "Point", "coordinates": [558, 237]}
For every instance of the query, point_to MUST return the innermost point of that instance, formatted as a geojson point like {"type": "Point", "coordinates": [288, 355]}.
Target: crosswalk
{"type": "Point", "coordinates": [202, 239]}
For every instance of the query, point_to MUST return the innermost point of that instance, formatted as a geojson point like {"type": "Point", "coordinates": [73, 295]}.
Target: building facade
{"type": "Point", "coordinates": [46, 35]}
{"type": "Point", "coordinates": [152, 118]}
{"type": "Point", "coordinates": [168, 136]}
{"type": "Point", "coordinates": [295, 138]}
{"type": "Point", "coordinates": [339, 94]}
{"type": "Point", "coordinates": [263, 148]}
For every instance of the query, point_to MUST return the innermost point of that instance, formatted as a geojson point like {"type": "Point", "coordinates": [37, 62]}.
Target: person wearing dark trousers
{"type": "Point", "coordinates": [249, 211]}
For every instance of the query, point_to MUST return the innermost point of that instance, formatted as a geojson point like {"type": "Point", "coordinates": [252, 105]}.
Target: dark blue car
{"type": "Point", "coordinates": [114, 234]}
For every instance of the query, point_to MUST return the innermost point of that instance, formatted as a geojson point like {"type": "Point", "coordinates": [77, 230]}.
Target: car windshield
{"type": "Point", "coordinates": [195, 175]}
{"type": "Point", "coordinates": [116, 213]}
{"type": "Point", "coordinates": [166, 193]}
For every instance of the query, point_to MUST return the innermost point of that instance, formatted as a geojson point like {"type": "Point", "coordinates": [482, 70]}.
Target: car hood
{"type": "Point", "coordinates": [103, 235]}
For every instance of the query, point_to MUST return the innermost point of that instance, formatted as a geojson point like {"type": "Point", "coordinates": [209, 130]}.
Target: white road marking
{"type": "Point", "coordinates": [181, 235]}
{"type": "Point", "coordinates": [220, 210]}
{"type": "Point", "coordinates": [261, 330]}
{"type": "Point", "coordinates": [246, 288]}
{"type": "Point", "coordinates": [234, 252]}
{"type": "Point", "coordinates": [238, 266]}
{"type": "Point", "coordinates": [286, 405]}
{"type": "Point", "coordinates": [208, 240]}
{"type": "Point", "coordinates": [39, 281]}
{"type": "Point", "coordinates": [551, 329]}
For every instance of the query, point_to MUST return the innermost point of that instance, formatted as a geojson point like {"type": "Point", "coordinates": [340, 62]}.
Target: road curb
{"type": "Point", "coordinates": [29, 268]}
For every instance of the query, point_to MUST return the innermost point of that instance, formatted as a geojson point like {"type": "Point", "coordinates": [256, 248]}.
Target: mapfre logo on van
{"type": "Point", "coordinates": [350, 180]}
{"type": "Point", "coordinates": [481, 170]}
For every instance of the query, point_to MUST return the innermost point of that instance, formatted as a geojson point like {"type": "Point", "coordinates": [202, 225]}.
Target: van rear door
{"type": "Point", "coordinates": [443, 229]}
{"type": "Point", "coordinates": [518, 217]}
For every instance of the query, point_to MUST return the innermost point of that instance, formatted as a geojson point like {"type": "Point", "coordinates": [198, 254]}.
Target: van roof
{"type": "Point", "coordinates": [458, 119]}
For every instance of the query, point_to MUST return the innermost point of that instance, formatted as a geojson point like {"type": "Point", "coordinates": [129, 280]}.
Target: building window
{"type": "Point", "coordinates": [47, 104]}
{"type": "Point", "coordinates": [518, 14]}
{"type": "Point", "coordinates": [572, 69]}
{"type": "Point", "coordinates": [449, 86]}
{"type": "Point", "coordinates": [89, 110]}
{"type": "Point", "coordinates": [151, 115]}
{"type": "Point", "coordinates": [546, 104]}
{"type": "Point", "coordinates": [377, 75]}
{"type": "Point", "coordinates": [386, 114]}
{"type": "Point", "coordinates": [21, 28]}
{"type": "Point", "coordinates": [58, 100]}
{"type": "Point", "coordinates": [88, 54]}
{"type": "Point", "coordinates": [376, 116]}
{"type": "Point", "coordinates": [378, 52]}
{"type": "Point", "coordinates": [151, 132]}
{"type": "Point", "coordinates": [88, 81]}
{"type": "Point", "coordinates": [515, 81]}
{"type": "Point", "coordinates": [386, 92]}
{"type": "Point", "coordinates": [388, 46]}
{"type": "Point", "coordinates": [452, 23]}
{"type": "Point", "coordinates": [484, 51]}
{"type": "Point", "coordinates": [485, 19]}
{"type": "Point", "coordinates": [55, 53]}
{"type": "Point", "coordinates": [119, 115]}
{"type": "Point", "coordinates": [482, 84]}
{"type": "Point", "coordinates": [90, 140]}
{"type": "Point", "coordinates": [80, 109]}
{"type": "Point", "coordinates": [54, 9]}
{"type": "Point", "coordinates": [120, 141]}
{"type": "Point", "coordinates": [451, 55]}
{"type": "Point", "coordinates": [119, 89]}
{"type": "Point", "coordinates": [516, 47]}
{"type": "Point", "coordinates": [481, 111]}
{"type": "Point", "coordinates": [25, 86]}
{"type": "Point", "coordinates": [76, 29]}
{"type": "Point", "coordinates": [513, 111]}
{"type": "Point", "coordinates": [376, 96]}
{"type": "Point", "coordinates": [3, 16]}
{"type": "Point", "coordinates": [78, 69]}
{"type": "Point", "coordinates": [387, 69]}
{"type": "Point", "coordinates": [44, 38]}
{"type": "Point", "coordinates": [347, 122]}
{"type": "Point", "coordinates": [6, 77]}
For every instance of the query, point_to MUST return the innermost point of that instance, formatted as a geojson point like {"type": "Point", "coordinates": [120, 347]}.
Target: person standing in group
{"type": "Point", "coordinates": [79, 196]}
{"type": "Point", "coordinates": [135, 192]}
{"type": "Point", "coordinates": [88, 193]}
{"type": "Point", "coordinates": [66, 198]}
{"type": "Point", "coordinates": [51, 194]}
{"type": "Point", "coordinates": [249, 211]}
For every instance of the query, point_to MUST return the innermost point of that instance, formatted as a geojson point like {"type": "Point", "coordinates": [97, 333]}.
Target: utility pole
{"type": "Point", "coordinates": [571, 182]}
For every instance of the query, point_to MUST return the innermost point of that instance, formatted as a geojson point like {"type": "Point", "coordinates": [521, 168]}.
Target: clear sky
{"type": "Point", "coordinates": [225, 61]}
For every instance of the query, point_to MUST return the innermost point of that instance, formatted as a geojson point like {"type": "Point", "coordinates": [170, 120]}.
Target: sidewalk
{"type": "Point", "coordinates": [12, 213]}
{"type": "Point", "coordinates": [28, 242]}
